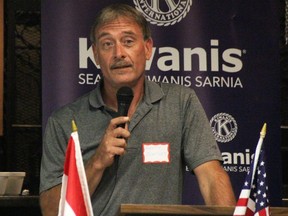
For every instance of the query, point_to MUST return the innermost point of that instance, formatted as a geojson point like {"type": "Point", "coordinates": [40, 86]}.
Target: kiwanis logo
{"type": "Point", "coordinates": [224, 127]}
{"type": "Point", "coordinates": [167, 13]}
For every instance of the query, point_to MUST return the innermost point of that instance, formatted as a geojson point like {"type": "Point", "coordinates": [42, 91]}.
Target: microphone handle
{"type": "Point", "coordinates": [123, 111]}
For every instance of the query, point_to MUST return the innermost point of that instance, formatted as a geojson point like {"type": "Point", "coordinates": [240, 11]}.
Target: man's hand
{"type": "Point", "coordinates": [114, 142]}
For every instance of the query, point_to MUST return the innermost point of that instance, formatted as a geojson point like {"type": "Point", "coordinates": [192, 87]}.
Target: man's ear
{"type": "Point", "coordinates": [148, 48]}
{"type": "Point", "coordinates": [95, 53]}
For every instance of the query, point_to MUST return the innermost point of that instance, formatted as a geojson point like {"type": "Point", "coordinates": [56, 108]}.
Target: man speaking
{"type": "Point", "coordinates": [164, 131]}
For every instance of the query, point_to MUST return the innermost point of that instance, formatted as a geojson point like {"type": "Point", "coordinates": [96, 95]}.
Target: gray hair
{"type": "Point", "coordinates": [114, 11]}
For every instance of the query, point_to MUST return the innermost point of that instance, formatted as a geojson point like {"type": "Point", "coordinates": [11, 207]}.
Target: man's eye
{"type": "Point", "coordinates": [129, 42]}
{"type": "Point", "coordinates": [107, 45]}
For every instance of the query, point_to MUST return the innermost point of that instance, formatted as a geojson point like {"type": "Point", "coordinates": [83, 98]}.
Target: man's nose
{"type": "Point", "coordinates": [119, 51]}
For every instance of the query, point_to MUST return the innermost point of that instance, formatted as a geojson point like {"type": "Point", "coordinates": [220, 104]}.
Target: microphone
{"type": "Point", "coordinates": [124, 99]}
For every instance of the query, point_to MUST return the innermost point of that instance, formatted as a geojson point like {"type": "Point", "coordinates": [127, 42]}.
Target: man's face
{"type": "Point", "coordinates": [121, 52]}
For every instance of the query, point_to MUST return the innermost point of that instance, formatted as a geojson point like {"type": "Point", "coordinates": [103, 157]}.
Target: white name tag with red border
{"type": "Point", "coordinates": [156, 152]}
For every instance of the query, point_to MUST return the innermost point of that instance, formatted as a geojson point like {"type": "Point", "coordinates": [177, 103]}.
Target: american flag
{"type": "Point", "coordinates": [254, 198]}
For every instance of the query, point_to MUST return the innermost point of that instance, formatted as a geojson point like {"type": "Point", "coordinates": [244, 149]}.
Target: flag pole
{"type": "Point", "coordinates": [258, 149]}
{"type": "Point", "coordinates": [74, 127]}
{"type": "Point", "coordinates": [263, 131]}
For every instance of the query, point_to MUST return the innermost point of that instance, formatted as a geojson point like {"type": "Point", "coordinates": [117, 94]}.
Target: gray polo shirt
{"type": "Point", "coordinates": [168, 131]}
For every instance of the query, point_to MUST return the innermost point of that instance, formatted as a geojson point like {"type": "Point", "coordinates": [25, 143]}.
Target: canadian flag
{"type": "Point", "coordinates": [75, 198]}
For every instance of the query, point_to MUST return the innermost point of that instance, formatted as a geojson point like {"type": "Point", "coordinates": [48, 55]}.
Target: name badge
{"type": "Point", "coordinates": [156, 152]}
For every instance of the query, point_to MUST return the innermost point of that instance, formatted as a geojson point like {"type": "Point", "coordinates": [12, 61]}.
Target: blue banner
{"type": "Point", "coordinates": [226, 50]}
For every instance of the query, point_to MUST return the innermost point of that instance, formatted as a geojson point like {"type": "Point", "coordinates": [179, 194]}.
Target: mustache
{"type": "Point", "coordinates": [120, 64]}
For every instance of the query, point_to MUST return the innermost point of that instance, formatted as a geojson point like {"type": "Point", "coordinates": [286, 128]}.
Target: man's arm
{"type": "Point", "coordinates": [215, 185]}
{"type": "Point", "coordinates": [49, 201]}
{"type": "Point", "coordinates": [110, 146]}
{"type": "Point", "coordinates": [113, 143]}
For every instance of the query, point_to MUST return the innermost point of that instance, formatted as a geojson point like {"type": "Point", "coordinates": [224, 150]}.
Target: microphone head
{"type": "Point", "coordinates": [125, 95]}
{"type": "Point", "coordinates": [124, 98]}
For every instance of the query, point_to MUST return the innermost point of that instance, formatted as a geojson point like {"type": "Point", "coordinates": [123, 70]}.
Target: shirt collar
{"type": "Point", "coordinates": [153, 93]}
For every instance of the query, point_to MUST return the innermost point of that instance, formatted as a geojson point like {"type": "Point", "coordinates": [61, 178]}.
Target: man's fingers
{"type": "Point", "coordinates": [121, 133]}
{"type": "Point", "coordinates": [115, 122]}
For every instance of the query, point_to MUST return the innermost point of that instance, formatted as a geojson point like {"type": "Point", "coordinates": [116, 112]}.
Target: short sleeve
{"type": "Point", "coordinates": [199, 144]}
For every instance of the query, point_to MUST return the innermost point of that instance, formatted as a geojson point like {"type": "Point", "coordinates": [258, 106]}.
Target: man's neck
{"type": "Point", "coordinates": [110, 98]}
